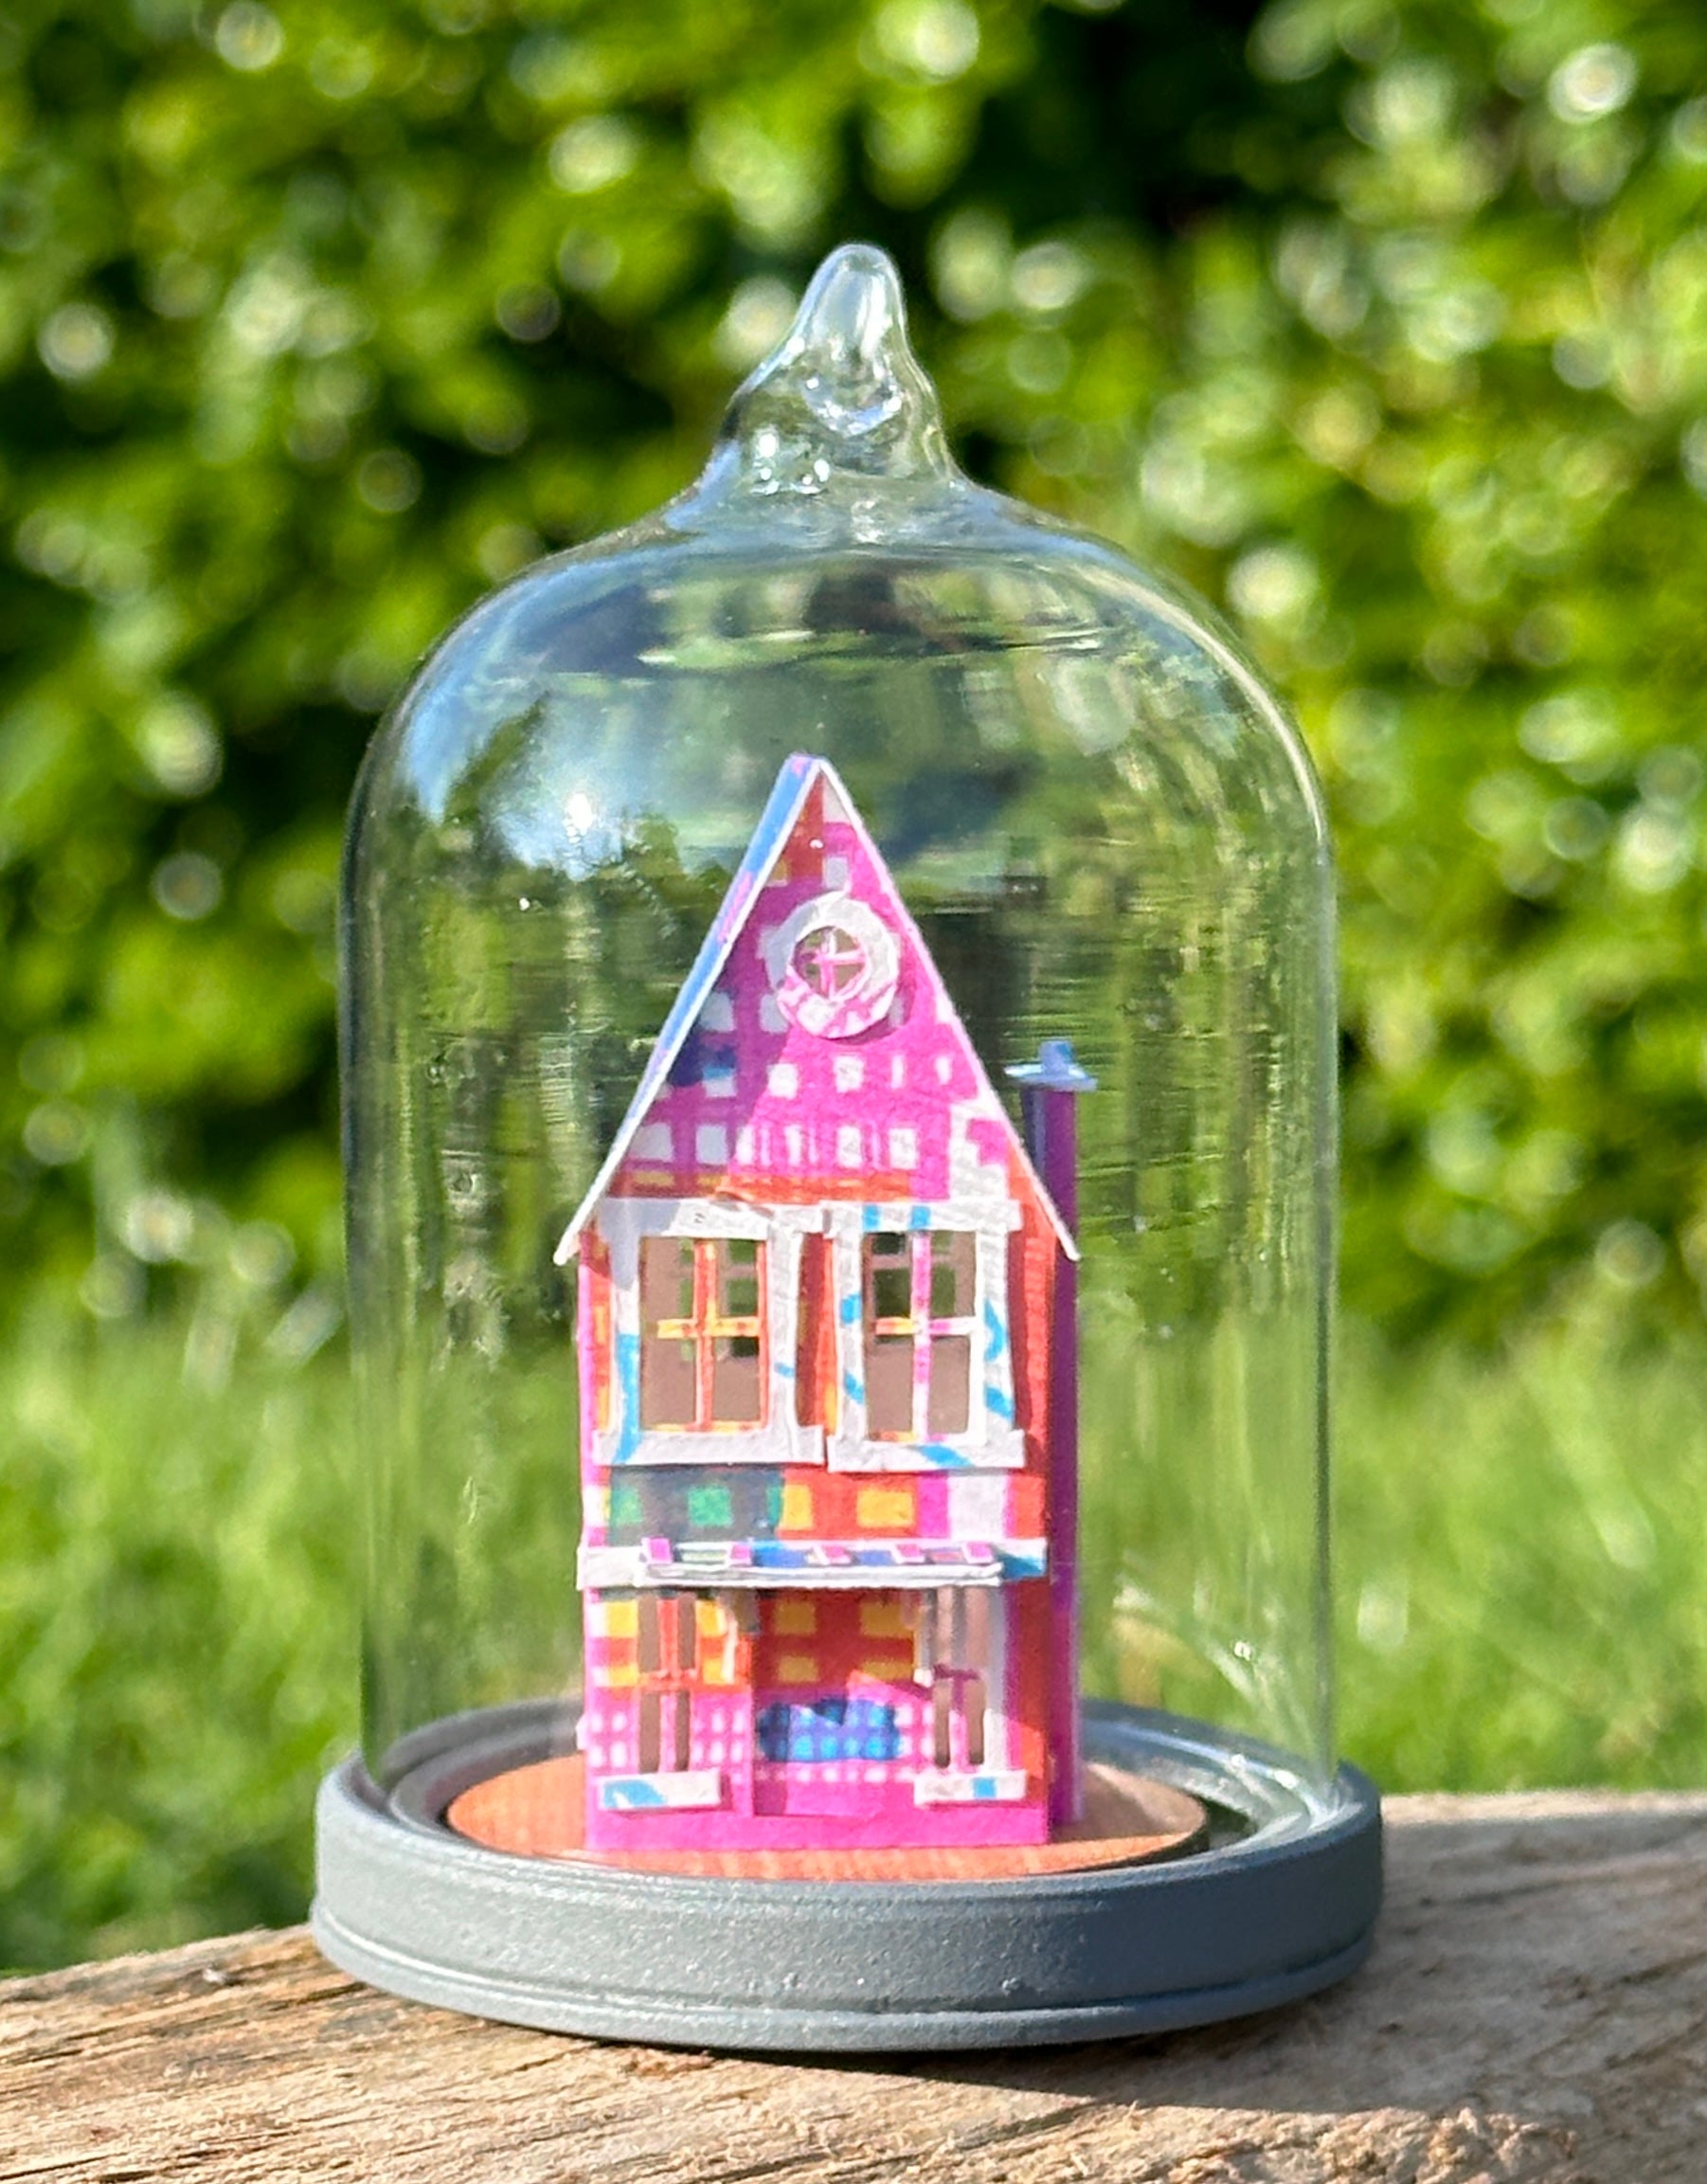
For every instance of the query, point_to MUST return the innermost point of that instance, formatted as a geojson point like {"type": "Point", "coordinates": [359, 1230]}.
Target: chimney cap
{"type": "Point", "coordinates": [1054, 1070]}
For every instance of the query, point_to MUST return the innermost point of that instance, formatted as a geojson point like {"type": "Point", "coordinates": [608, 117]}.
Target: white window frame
{"type": "Point", "coordinates": [623, 1223]}
{"type": "Point", "coordinates": [992, 1440]}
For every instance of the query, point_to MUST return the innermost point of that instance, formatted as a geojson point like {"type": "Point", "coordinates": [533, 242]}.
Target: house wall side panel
{"type": "Point", "coordinates": [1029, 1651]}
{"type": "Point", "coordinates": [594, 1338]}
{"type": "Point", "coordinates": [1032, 1287]}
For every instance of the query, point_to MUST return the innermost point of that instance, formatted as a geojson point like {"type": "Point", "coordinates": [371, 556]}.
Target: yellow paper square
{"type": "Point", "coordinates": [795, 1618]}
{"type": "Point", "coordinates": [884, 1508]}
{"type": "Point", "coordinates": [882, 1619]}
{"type": "Point", "coordinates": [797, 1669]}
{"type": "Point", "coordinates": [796, 1509]}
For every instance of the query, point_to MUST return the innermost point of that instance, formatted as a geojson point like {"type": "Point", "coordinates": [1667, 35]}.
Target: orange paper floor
{"type": "Point", "coordinates": [537, 1811]}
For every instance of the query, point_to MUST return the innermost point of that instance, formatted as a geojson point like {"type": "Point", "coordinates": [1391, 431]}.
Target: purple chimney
{"type": "Point", "coordinates": [1049, 1088]}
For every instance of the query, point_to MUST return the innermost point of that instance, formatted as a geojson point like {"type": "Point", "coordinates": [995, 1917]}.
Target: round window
{"type": "Point", "coordinates": [834, 967]}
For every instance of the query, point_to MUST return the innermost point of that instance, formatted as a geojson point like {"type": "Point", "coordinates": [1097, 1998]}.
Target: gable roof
{"type": "Point", "coordinates": [800, 774]}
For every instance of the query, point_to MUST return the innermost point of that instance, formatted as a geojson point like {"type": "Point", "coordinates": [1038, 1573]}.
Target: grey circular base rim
{"type": "Point", "coordinates": [852, 1966]}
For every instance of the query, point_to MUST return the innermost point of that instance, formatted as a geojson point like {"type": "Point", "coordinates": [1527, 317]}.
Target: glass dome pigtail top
{"type": "Point", "coordinates": [842, 395]}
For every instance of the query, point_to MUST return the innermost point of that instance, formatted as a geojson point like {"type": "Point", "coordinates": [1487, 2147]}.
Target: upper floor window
{"type": "Point", "coordinates": [918, 1289]}
{"type": "Point", "coordinates": [704, 1362]}
{"type": "Point", "coordinates": [695, 1343]}
{"type": "Point", "coordinates": [924, 1351]}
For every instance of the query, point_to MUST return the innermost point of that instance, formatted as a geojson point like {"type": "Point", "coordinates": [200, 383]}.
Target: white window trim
{"type": "Point", "coordinates": [683, 1790]}
{"type": "Point", "coordinates": [623, 1223]}
{"type": "Point", "coordinates": [992, 1440]}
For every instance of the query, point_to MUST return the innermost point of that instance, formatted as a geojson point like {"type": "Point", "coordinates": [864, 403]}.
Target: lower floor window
{"type": "Point", "coordinates": [951, 1639]}
{"type": "Point", "coordinates": [664, 1732]}
{"type": "Point", "coordinates": [958, 1704]}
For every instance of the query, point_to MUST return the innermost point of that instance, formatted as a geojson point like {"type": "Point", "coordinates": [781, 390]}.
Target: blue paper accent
{"type": "Point", "coordinates": [628, 1792]}
{"type": "Point", "coordinates": [813, 1732]}
{"type": "Point", "coordinates": [628, 1393]}
{"type": "Point", "coordinates": [876, 1559]}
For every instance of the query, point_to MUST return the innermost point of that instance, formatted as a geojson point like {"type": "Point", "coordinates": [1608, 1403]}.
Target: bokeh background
{"type": "Point", "coordinates": [1383, 322]}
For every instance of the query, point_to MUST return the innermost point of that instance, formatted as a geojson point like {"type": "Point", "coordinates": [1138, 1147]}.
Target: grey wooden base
{"type": "Point", "coordinates": [1281, 1904]}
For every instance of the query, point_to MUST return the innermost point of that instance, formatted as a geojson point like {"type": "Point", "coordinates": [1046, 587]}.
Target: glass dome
{"type": "Point", "coordinates": [840, 1049]}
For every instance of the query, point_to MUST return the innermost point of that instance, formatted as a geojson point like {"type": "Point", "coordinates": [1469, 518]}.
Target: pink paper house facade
{"type": "Point", "coordinates": [820, 1424]}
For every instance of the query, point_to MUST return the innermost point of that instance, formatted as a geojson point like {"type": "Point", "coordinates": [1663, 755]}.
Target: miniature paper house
{"type": "Point", "coordinates": [817, 1277]}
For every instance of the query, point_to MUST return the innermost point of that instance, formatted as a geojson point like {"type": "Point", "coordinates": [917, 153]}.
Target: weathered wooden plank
{"type": "Point", "coordinates": [1536, 2014]}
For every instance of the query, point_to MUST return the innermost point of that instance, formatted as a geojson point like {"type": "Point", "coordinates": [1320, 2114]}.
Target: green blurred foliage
{"type": "Point", "coordinates": [1386, 324]}
{"type": "Point", "coordinates": [178, 1572]}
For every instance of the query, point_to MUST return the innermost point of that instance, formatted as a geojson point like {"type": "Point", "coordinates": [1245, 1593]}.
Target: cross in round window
{"type": "Point", "coordinates": [835, 966]}
{"type": "Point", "coordinates": [830, 960]}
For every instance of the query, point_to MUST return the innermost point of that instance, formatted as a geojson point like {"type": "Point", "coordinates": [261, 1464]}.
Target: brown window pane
{"type": "Point", "coordinates": [953, 1274]}
{"type": "Point", "coordinates": [666, 1278]}
{"type": "Point", "coordinates": [941, 1715]}
{"type": "Point", "coordinates": [687, 1637]}
{"type": "Point", "coordinates": [975, 1643]}
{"type": "Point", "coordinates": [649, 1645]}
{"type": "Point", "coordinates": [972, 1708]}
{"type": "Point", "coordinates": [888, 1384]}
{"type": "Point", "coordinates": [829, 959]}
{"type": "Point", "coordinates": [740, 1267]}
{"type": "Point", "coordinates": [737, 1394]}
{"type": "Point", "coordinates": [650, 1739]}
{"type": "Point", "coordinates": [888, 1277]}
{"type": "Point", "coordinates": [668, 1378]}
{"type": "Point", "coordinates": [950, 1384]}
